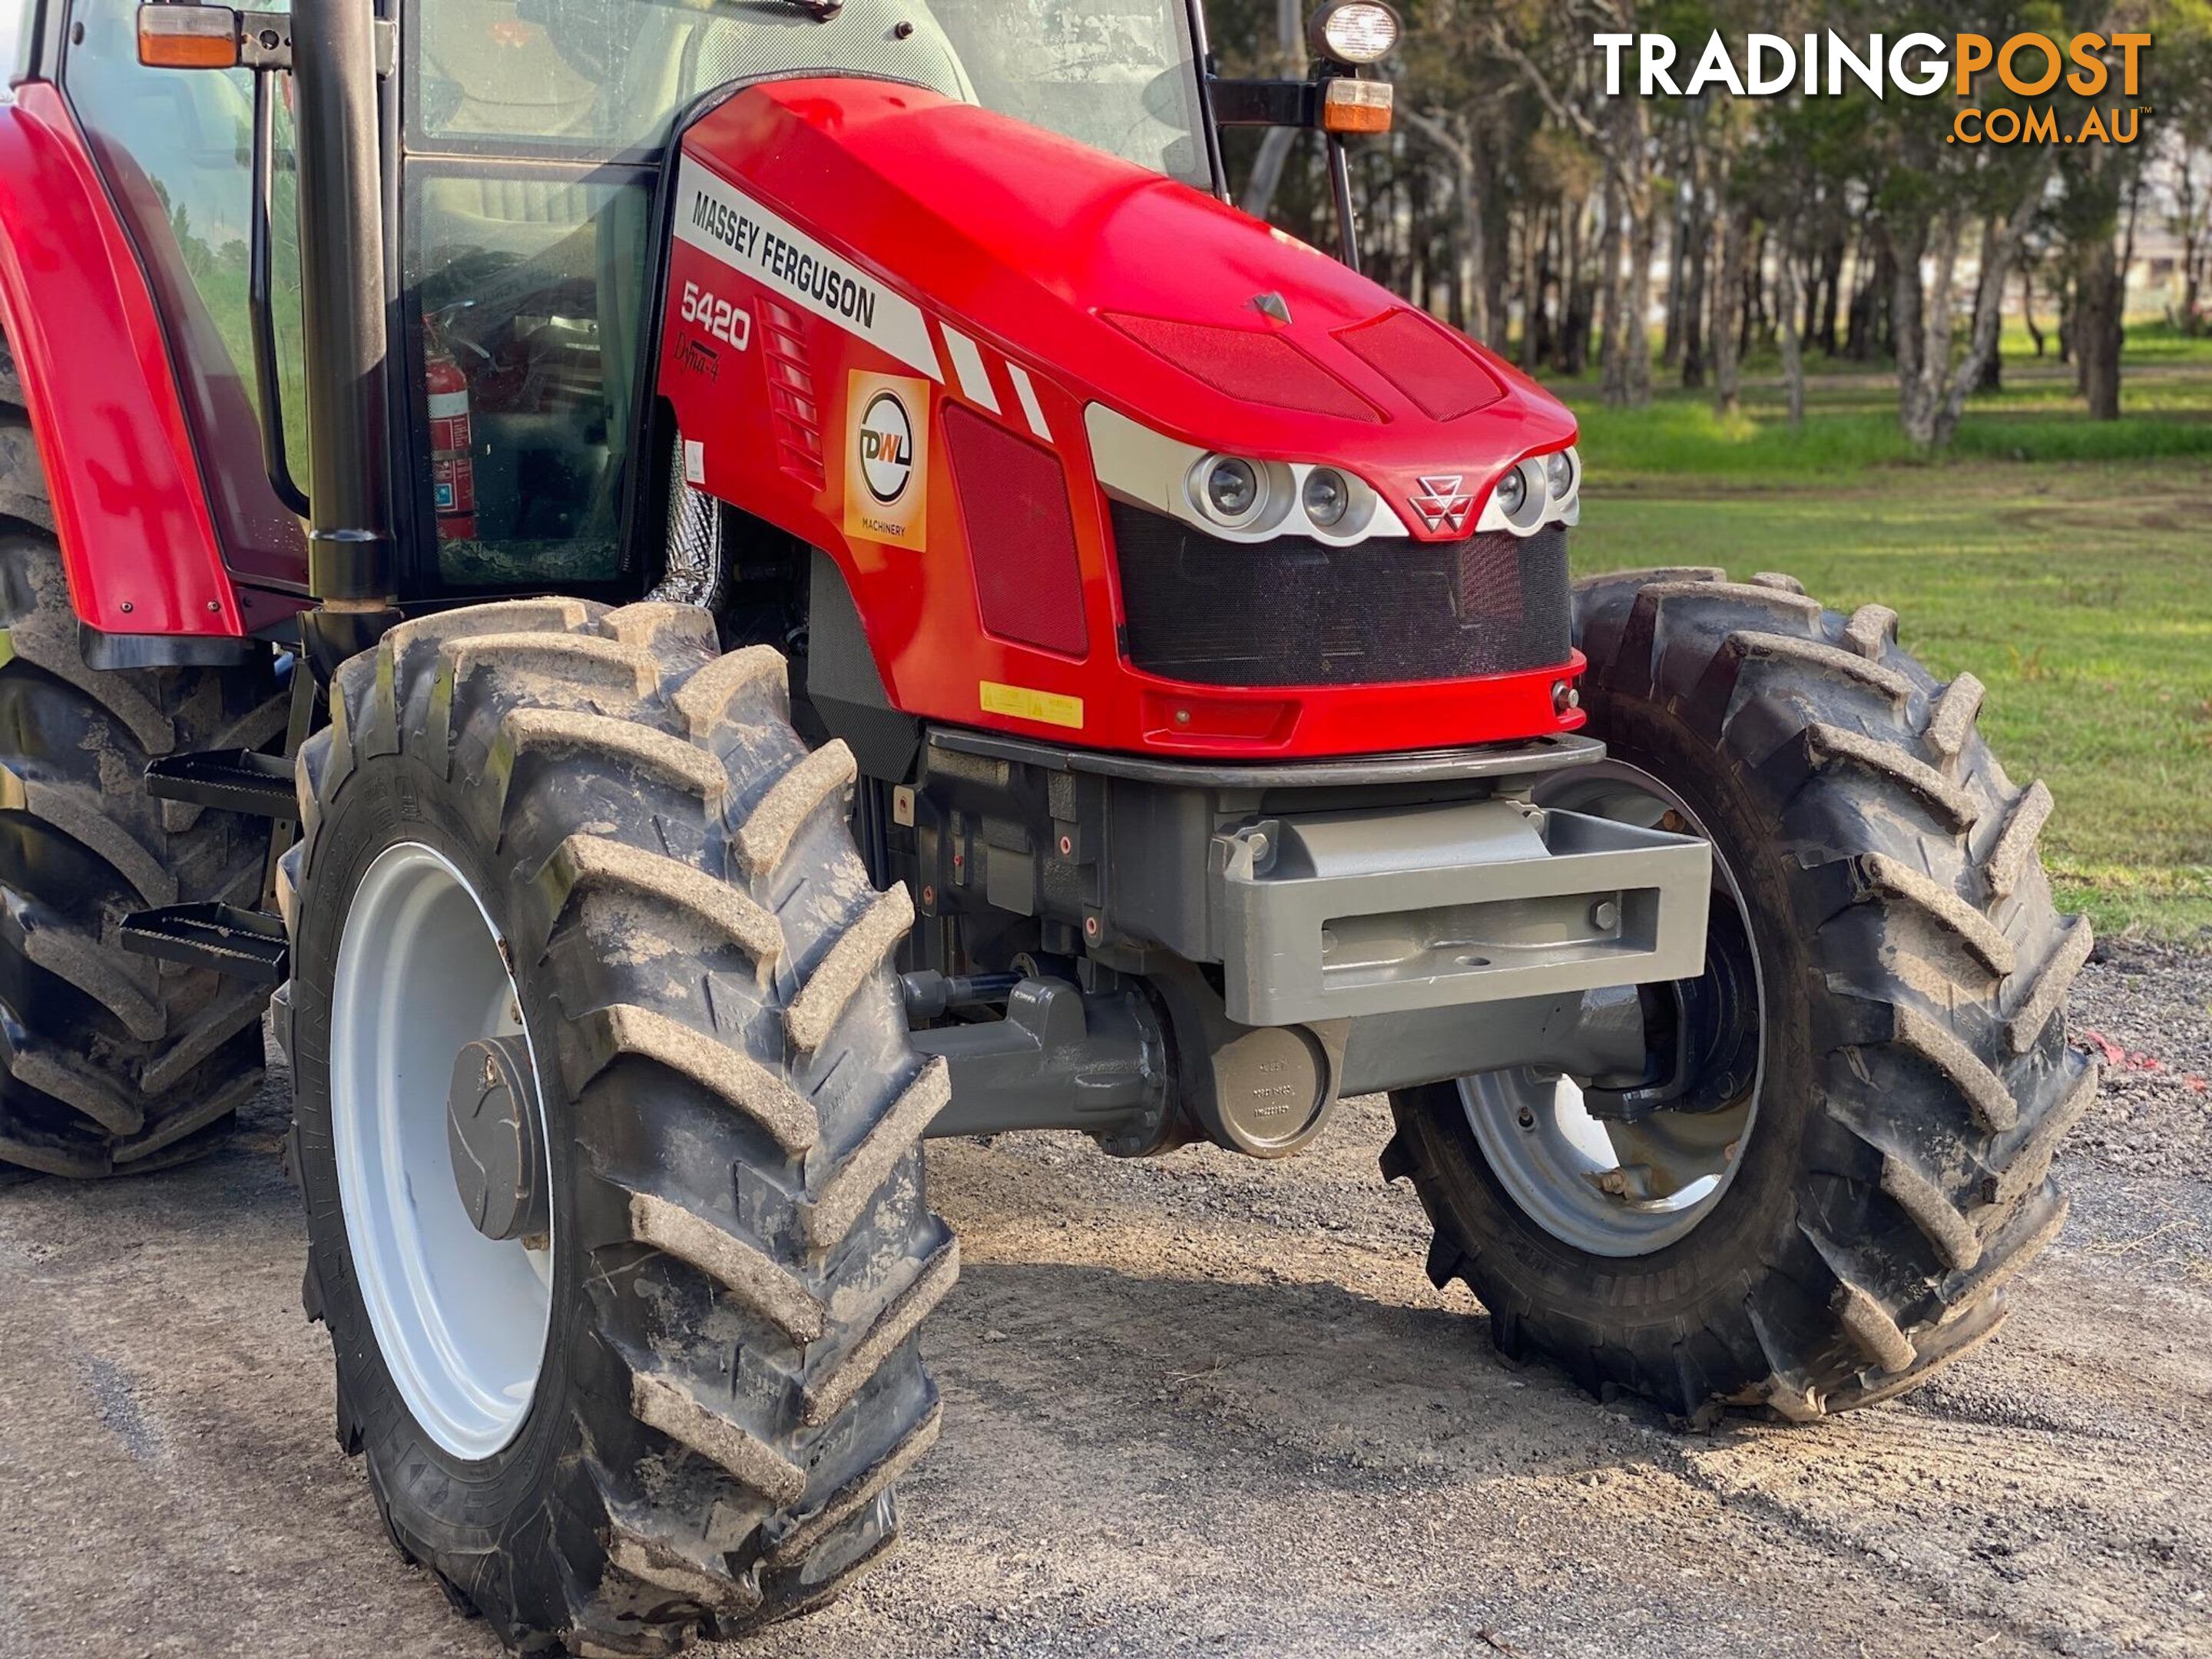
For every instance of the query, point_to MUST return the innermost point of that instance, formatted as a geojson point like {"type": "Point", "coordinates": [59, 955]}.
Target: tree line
{"type": "Point", "coordinates": [1556, 223]}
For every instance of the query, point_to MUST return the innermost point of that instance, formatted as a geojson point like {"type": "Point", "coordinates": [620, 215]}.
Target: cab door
{"type": "Point", "coordinates": [533, 133]}
{"type": "Point", "coordinates": [175, 150]}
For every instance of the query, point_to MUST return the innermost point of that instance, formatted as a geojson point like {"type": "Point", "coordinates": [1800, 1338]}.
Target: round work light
{"type": "Point", "coordinates": [1354, 31]}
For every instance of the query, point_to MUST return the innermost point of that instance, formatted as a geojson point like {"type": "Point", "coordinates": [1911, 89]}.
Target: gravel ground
{"type": "Point", "coordinates": [1210, 1407]}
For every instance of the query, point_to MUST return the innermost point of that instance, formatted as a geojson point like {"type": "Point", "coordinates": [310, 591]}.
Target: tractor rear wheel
{"type": "Point", "coordinates": [114, 1063]}
{"type": "Point", "coordinates": [631, 1349]}
{"type": "Point", "coordinates": [1877, 1070]}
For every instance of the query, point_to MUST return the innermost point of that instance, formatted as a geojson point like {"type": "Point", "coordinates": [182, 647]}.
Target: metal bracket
{"type": "Point", "coordinates": [231, 780]}
{"type": "Point", "coordinates": [265, 40]}
{"type": "Point", "coordinates": [244, 943]}
{"type": "Point", "coordinates": [1264, 103]}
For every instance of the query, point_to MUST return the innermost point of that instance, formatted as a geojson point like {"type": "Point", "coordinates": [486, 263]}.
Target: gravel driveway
{"type": "Point", "coordinates": [1206, 1406]}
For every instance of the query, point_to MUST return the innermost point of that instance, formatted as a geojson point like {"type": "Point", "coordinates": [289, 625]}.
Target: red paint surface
{"type": "Point", "coordinates": [129, 510]}
{"type": "Point", "coordinates": [1021, 239]}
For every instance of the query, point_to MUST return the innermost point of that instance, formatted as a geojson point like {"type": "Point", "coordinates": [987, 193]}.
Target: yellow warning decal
{"type": "Point", "coordinates": [1023, 703]}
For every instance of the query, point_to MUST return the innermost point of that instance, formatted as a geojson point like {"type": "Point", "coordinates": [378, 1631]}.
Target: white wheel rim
{"type": "Point", "coordinates": [461, 1320]}
{"type": "Point", "coordinates": [1545, 1147]}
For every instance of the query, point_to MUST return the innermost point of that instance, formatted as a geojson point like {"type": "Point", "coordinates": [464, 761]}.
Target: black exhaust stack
{"type": "Point", "coordinates": [351, 563]}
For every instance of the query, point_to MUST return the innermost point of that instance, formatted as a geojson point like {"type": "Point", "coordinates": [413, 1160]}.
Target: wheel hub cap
{"type": "Point", "coordinates": [491, 1135]}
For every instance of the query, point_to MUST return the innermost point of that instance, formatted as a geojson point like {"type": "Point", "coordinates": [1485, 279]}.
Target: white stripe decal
{"type": "Point", "coordinates": [1027, 394]}
{"type": "Point", "coordinates": [729, 226]}
{"type": "Point", "coordinates": [968, 364]}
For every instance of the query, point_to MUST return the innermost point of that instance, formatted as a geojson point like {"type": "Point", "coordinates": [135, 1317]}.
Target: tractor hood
{"type": "Point", "coordinates": [934, 222]}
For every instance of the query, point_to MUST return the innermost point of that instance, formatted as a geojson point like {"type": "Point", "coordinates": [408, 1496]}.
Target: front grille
{"type": "Point", "coordinates": [1293, 611]}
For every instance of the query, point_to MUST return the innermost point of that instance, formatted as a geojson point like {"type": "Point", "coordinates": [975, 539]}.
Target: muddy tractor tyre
{"type": "Point", "coordinates": [671, 1397]}
{"type": "Point", "coordinates": [1906, 973]}
{"type": "Point", "coordinates": [114, 1063]}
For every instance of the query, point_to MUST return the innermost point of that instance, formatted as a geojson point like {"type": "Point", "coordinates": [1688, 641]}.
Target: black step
{"type": "Point", "coordinates": [233, 780]}
{"type": "Point", "coordinates": [244, 943]}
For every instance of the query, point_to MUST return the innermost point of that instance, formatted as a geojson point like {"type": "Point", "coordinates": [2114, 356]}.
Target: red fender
{"type": "Point", "coordinates": [129, 508]}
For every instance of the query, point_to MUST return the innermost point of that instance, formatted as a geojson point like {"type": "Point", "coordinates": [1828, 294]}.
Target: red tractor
{"type": "Point", "coordinates": [709, 590]}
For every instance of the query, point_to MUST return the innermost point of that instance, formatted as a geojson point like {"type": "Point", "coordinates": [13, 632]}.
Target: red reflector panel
{"type": "Point", "coordinates": [1179, 718]}
{"type": "Point", "coordinates": [1021, 534]}
{"type": "Point", "coordinates": [1258, 367]}
{"type": "Point", "coordinates": [1425, 360]}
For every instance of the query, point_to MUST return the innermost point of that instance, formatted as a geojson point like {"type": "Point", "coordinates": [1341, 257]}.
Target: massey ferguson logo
{"type": "Point", "coordinates": [1440, 504]}
{"type": "Point", "coordinates": [886, 447]}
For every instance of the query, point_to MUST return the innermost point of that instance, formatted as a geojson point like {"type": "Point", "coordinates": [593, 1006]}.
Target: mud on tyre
{"type": "Point", "coordinates": [114, 1063]}
{"type": "Point", "coordinates": [1917, 1075]}
{"type": "Point", "coordinates": [739, 1250]}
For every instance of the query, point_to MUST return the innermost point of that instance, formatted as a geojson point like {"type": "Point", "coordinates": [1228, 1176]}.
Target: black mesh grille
{"type": "Point", "coordinates": [1292, 612]}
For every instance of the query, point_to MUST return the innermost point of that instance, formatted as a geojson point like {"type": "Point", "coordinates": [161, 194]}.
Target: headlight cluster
{"type": "Point", "coordinates": [1262, 498]}
{"type": "Point", "coordinates": [1234, 498]}
{"type": "Point", "coordinates": [1531, 494]}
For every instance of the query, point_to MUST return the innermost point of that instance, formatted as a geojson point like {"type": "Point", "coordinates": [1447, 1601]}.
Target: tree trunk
{"type": "Point", "coordinates": [2028, 304]}
{"type": "Point", "coordinates": [1809, 324]}
{"type": "Point", "coordinates": [1552, 285]}
{"type": "Point", "coordinates": [2097, 329]}
{"type": "Point", "coordinates": [1288, 58]}
{"type": "Point", "coordinates": [1474, 240]}
{"type": "Point", "coordinates": [2000, 240]}
{"type": "Point", "coordinates": [1916, 409]}
{"type": "Point", "coordinates": [1751, 263]}
{"type": "Point", "coordinates": [1266, 177]}
{"type": "Point", "coordinates": [1574, 292]}
{"type": "Point", "coordinates": [1455, 135]}
{"type": "Point", "coordinates": [1678, 251]}
{"type": "Point", "coordinates": [1612, 252]}
{"type": "Point", "coordinates": [1730, 291]}
{"type": "Point", "coordinates": [2188, 224]}
{"type": "Point", "coordinates": [1532, 289]}
{"type": "Point", "coordinates": [1694, 299]}
{"type": "Point", "coordinates": [1789, 303]}
{"type": "Point", "coordinates": [1832, 285]}
{"type": "Point", "coordinates": [1988, 302]}
{"type": "Point", "coordinates": [1874, 312]}
{"type": "Point", "coordinates": [1641, 236]}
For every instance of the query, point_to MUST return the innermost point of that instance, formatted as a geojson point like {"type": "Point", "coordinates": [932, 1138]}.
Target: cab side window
{"type": "Point", "coordinates": [174, 147]}
{"type": "Point", "coordinates": [530, 289]}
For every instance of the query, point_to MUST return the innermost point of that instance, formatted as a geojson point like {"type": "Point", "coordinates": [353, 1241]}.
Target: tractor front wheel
{"type": "Point", "coordinates": [608, 1124]}
{"type": "Point", "coordinates": [1848, 1154]}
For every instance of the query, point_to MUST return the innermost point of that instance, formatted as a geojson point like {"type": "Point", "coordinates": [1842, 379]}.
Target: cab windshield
{"type": "Point", "coordinates": [607, 78]}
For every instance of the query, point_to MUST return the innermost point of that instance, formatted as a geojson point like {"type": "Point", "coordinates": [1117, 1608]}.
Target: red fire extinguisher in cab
{"type": "Point", "coordinates": [452, 466]}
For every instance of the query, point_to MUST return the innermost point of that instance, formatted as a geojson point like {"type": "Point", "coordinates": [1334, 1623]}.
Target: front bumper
{"type": "Point", "coordinates": [1244, 944]}
{"type": "Point", "coordinates": [1334, 916]}
{"type": "Point", "coordinates": [1333, 890]}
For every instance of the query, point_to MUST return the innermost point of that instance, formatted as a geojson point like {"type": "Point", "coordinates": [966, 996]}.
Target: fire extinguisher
{"type": "Point", "coordinates": [452, 470]}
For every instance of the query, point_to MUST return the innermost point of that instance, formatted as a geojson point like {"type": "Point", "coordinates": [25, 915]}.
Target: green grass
{"type": "Point", "coordinates": [2081, 594]}
{"type": "Point", "coordinates": [1851, 427]}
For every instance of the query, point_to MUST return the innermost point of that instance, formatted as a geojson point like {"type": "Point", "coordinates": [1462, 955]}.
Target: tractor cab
{"type": "Point", "coordinates": [523, 145]}
{"type": "Point", "coordinates": [533, 140]}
